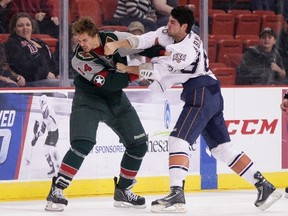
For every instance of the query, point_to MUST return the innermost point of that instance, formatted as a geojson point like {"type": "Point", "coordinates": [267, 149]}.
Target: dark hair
{"type": "Point", "coordinates": [85, 25]}
{"type": "Point", "coordinates": [16, 17]}
{"type": "Point", "coordinates": [184, 16]}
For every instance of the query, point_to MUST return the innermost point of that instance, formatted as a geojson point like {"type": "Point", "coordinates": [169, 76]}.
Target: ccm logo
{"type": "Point", "coordinates": [251, 126]}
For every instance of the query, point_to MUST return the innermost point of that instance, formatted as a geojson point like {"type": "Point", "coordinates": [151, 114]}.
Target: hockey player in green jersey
{"type": "Point", "coordinates": [99, 98]}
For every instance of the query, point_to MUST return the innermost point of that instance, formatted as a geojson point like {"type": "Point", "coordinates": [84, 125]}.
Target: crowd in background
{"type": "Point", "coordinates": [27, 60]}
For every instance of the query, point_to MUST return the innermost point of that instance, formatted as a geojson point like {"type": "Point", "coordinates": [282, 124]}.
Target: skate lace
{"type": "Point", "coordinates": [169, 195]}
{"type": "Point", "coordinates": [58, 193]}
{"type": "Point", "coordinates": [131, 196]}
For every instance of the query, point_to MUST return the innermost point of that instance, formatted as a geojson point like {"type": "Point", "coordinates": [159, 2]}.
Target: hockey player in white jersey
{"type": "Point", "coordinates": [186, 62]}
{"type": "Point", "coordinates": [48, 124]}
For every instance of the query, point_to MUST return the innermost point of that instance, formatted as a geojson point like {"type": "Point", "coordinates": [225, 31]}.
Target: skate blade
{"type": "Point", "coordinates": [275, 196]}
{"type": "Point", "coordinates": [286, 195]}
{"type": "Point", "coordinates": [120, 204]}
{"type": "Point", "coordinates": [176, 208]}
{"type": "Point", "coordinates": [54, 207]}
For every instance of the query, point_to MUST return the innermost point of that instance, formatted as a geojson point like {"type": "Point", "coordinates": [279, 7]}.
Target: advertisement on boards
{"type": "Point", "coordinates": [255, 124]}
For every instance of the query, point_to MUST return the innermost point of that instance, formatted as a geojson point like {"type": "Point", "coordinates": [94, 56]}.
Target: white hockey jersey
{"type": "Point", "coordinates": [188, 58]}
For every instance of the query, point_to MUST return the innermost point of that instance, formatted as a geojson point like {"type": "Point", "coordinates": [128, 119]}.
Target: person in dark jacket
{"type": "Point", "coordinates": [27, 56]}
{"type": "Point", "coordinates": [261, 65]}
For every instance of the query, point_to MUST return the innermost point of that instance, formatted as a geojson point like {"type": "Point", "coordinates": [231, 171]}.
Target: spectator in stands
{"type": "Point", "coordinates": [43, 12]}
{"type": "Point", "coordinates": [163, 9]}
{"type": "Point", "coordinates": [261, 65]}
{"type": "Point", "coordinates": [135, 10]}
{"type": "Point", "coordinates": [8, 78]}
{"type": "Point", "coordinates": [7, 9]}
{"type": "Point", "coordinates": [136, 28]}
{"type": "Point", "coordinates": [29, 57]}
{"type": "Point", "coordinates": [263, 5]}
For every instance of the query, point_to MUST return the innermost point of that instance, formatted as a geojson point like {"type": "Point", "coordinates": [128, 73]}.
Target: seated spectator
{"type": "Point", "coordinates": [163, 9]}
{"type": "Point", "coordinates": [43, 12]}
{"type": "Point", "coordinates": [261, 65]}
{"type": "Point", "coordinates": [134, 10]}
{"type": "Point", "coordinates": [282, 44]}
{"type": "Point", "coordinates": [136, 28]}
{"type": "Point", "coordinates": [29, 57]}
{"type": "Point", "coordinates": [8, 78]}
{"type": "Point", "coordinates": [7, 9]}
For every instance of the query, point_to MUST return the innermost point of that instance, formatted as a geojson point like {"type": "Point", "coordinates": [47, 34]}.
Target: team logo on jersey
{"type": "Point", "coordinates": [178, 57]}
{"type": "Point", "coordinates": [165, 31]}
{"type": "Point", "coordinates": [85, 55]}
{"type": "Point", "coordinates": [99, 80]}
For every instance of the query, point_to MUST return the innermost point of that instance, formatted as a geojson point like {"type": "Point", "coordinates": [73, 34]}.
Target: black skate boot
{"type": "Point", "coordinates": [173, 202]}
{"type": "Point", "coordinates": [265, 190]}
{"type": "Point", "coordinates": [125, 198]}
{"type": "Point", "coordinates": [55, 198]}
{"type": "Point", "coordinates": [286, 192]}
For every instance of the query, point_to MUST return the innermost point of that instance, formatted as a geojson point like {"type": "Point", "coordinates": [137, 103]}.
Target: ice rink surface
{"type": "Point", "coordinates": [215, 203]}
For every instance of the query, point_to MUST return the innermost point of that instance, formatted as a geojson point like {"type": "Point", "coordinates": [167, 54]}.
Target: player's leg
{"type": "Point", "coordinates": [126, 124]}
{"type": "Point", "coordinates": [82, 140]}
{"type": "Point", "coordinates": [217, 138]}
{"type": "Point", "coordinates": [189, 125]}
{"type": "Point", "coordinates": [69, 167]}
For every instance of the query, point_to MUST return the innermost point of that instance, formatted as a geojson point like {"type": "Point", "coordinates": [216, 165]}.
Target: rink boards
{"type": "Point", "coordinates": [253, 117]}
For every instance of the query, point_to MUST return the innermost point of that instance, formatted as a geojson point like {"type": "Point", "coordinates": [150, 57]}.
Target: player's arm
{"type": "Point", "coordinates": [132, 42]}
{"type": "Point", "coordinates": [112, 80]}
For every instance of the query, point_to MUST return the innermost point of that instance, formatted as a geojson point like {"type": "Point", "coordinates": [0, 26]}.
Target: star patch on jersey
{"type": "Point", "coordinates": [99, 80]}
{"type": "Point", "coordinates": [178, 57]}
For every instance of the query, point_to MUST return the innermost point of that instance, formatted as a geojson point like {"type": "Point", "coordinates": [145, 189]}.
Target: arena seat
{"type": "Point", "coordinates": [212, 48]}
{"type": "Point", "coordinates": [248, 40]}
{"type": "Point", "coordinates": [272, 21]}
{"type": "Point", "coordinates": [247, 24]}
{"type": "Point", "coordinates": [108, 8]}
{"type": "Point", "coordinates": [91, 8]}
{"type": "Point", "coordinates": [226, 75]}
{"type": "Point", "coordinates": [226, 46]}
{"type": "Point", "coordinates": [233, 60]}
{"type": "Point", "coordinates": [221, 24]}
{"type": "Point", "coordinates": [113, 28]}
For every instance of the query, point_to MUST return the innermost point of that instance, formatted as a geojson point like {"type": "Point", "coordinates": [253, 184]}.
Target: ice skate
{"type": "Point", "coordinates": [125, 198]}
{"type": "Point", "coordinates": [267, 194]}
{"type": "Point", "coordinates": [55, 198]}
{"type": "Point", "coordinates": [286, 192]}
{"type": "Point", "coordinates": [172, 203]}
